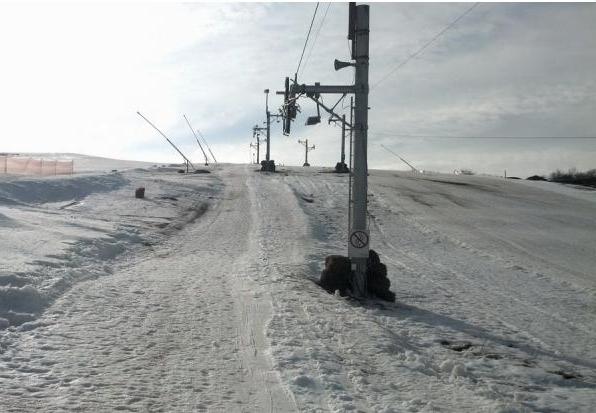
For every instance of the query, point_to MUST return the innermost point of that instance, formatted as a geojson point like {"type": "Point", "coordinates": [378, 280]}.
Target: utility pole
{"type": "Point", "coordinates": [351, 122]}
{"type": "Point", "coordinates": [256, 133]}
{"type": "Point", "coordinates": [268, 156]}
{"type": "Point", "coordinates": [306, 149]}
{"type": "Point", "coordinates": [359, 237]}
{"type": "Point", "coordinates": [343, 140]}
{"type": "Point", "coordinates": [255, 145]}
{"type": "Point", "coordinates": [341, 166]}
{"type": "Point", "coordinates": [268, 165]}
{"type": "Point", "coordinates": [358, 245]}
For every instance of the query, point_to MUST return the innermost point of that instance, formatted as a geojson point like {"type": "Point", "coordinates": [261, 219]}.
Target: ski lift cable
{"type": "Point", "coordinates": [425, 46]}
{"type": "Point", "coordinates": [314, 42]}
{"type": "Point", "coordinates": [409, 136]}
{"type": "Point", "coordinates": [307, 37]}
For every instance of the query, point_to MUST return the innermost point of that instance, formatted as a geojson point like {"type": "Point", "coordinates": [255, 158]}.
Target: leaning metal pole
{"type": "Point", "coordinates": [207, 145]}
{"type": "Point", "coordinates": [169, 141]}
{"type": "Point", "coordinates": [195, 135]}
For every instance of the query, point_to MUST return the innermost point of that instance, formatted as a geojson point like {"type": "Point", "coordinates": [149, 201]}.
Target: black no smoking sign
{"type": "Point", "coordinates": [359, 239]}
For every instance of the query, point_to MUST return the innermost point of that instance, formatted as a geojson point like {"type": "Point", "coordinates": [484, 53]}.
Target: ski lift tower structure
{"type": "Point", "coordinates": [268, 165]}
{"type": "Point", "coordinates": [306, 150]}
{"type": "Point", "coordinates": [256, 134]}
{"type": "Point", "coordinates": [341, 166]}
{"type": "Point", "coordinates": [358, 236]}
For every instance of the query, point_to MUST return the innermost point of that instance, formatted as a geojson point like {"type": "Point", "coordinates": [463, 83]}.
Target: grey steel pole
{"type": "Point", "coordinates": [268, 124]}
{"type": "Point", "coordinates": [196, 137]}
{"type": "Point", "coordinates": [351, 120]}
{"type": "Point", "coordinates": [207, 145]}
{"type": "Point", "coordinates": [258, 145]}
{"type": "Point", "coordinates": [268, 136]}
{"type": "Point", "coordinates": [166, 138]}
{"type": "Point", "coordinates": [358, 244]}
{"type": "Point", "coordinates": [306, 152]}
{"type": "Point", "coordinates": [343, 139]}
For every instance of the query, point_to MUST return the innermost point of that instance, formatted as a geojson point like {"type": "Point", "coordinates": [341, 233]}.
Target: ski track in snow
{"type": "Point", "coordinates": [518, 321]}
{"type": "Point", "coordinates": [177, 328]}
{"type": "Point", "coordinates": [209, 303]}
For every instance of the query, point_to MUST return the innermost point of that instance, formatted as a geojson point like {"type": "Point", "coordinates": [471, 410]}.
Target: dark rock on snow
{"type": "Point", "coordinates": [337, 276]}
{"type": "Point", "coordinates": [140, 192]}
{"type": "Point", "coordinates": [377, 282]}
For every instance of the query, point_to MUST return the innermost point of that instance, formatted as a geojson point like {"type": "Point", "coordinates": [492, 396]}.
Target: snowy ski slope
{"type": "Point", "coordinates": [200, 297]}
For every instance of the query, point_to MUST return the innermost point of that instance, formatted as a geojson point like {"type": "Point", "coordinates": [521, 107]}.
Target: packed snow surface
{"type": "Point", "coordinates": [200, 297]}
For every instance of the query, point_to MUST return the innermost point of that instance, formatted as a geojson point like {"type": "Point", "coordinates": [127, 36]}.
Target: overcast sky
{"type": "Point", "coordinates": [72, 77]}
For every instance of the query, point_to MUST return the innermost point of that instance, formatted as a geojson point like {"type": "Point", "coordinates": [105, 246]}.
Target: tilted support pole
{"type": "Point", "coordinates": [317, 89]}
{"type": "Point", "coordinates": [186, 160]}
{"type": "Point", "coordinates": [195, 135]}
{"type": "Point", "coordinates": [334, 116]}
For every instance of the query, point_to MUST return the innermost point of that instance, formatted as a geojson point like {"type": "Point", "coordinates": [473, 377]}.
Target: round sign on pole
{"type": "Point", "coordinates": [359, 239]}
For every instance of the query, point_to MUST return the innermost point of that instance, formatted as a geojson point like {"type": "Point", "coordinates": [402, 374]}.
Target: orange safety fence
{"type": "Point", "coordinates": [33, 166]}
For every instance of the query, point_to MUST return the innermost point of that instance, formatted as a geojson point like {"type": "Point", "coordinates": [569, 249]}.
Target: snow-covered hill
{"type": "Point", "coordinates": [200, 297]}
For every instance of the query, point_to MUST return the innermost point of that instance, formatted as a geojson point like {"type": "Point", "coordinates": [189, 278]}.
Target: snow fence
{"type": "Point", "coordinates": [32, 166]}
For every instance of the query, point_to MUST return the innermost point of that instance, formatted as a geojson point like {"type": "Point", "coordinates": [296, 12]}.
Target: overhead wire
{"type": "Point", "coordinates": [307, 37]}
{"type": "Point", "coordinates": [425, 46]}
{"type": "Point", "coordinates": [409, 136]}
{"type": "Point", "coordinates": [418, 53]}
{"type": "Point", "coordinates": [314, 42]}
